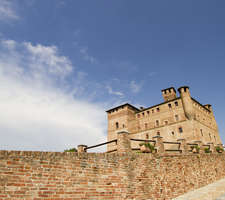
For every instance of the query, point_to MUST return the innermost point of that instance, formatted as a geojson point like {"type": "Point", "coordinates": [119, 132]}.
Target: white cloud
{"type": "Point", "coordinates": [135, 87]}
{"type": "Point", "coordinates": [86, 56]}
{"type": "Point", "coordinates": [7, 11]}
{"type": "Point", "coordinates": [110, 91]}
{"type": "Point", "coordinates": [38, 112]}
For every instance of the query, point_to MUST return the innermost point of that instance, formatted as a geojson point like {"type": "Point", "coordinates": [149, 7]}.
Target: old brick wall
{"type": "Point", "coordinates": [44, 175]}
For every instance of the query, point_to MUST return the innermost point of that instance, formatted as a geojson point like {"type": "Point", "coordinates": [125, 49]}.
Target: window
{"type": "Point", "coordinates": [148, 112]}
{"type": "Point", "coordinates": [180, 130]}
{"type": "Point", "coordinates": [210, 136]}
{"type": "Point", "coordinates": [157, 109]}
{"type": "Point", "coordinates": [201, 132]}
{"type": "Point", "coordinates": [215, 138]}
{"type": "Point", "coordinates": [169, 105]}
{"type": "Point", "coordinates": [176, 103]}
{"type": "Point", "coordinates": [177, 117]}
{"type": "Point", "coordinates": [117, 125]}
{"type": "Point", "coordinates": [166, 122]}
{"type": "Point", "coordinates": [146, 125]}
{"type": "Point", "coordinates": [143, 114]}
{"type": "Point", "coordinates": [172, 133]}
{"type": "Point", "coordinates": [152, 110]}
{"type": "Point", "coordinates": [157, 122]}
{"type": "Point", "coordinates": [158, 133]}
{"type": "Point", "coordinates": [138, 115]}
{"type": "Point", "coordinates": [123, 126]}
{"type": "Point", "coordinates": [147, 136]}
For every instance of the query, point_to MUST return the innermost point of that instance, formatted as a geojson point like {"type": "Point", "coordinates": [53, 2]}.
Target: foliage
{"type": "Point", "coordinates": [148, 145]}
{"type": "Point", "coordinates": [195, 148]}
{"type": "Point", "coordinates": [71, 150]}
{"type": "Point", "coordinates": [207, 150]}
{"type": "Point", "coordinates": [219, 149]}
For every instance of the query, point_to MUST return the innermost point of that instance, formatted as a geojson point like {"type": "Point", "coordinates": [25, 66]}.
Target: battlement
{"type": "Point", "coordinates": [169, 94]}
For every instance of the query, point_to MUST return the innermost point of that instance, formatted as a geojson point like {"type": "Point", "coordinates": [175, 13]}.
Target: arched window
{"type": "Point", "coordinates": [117, 125]}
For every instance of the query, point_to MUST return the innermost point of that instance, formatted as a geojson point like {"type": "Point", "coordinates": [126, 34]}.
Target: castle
{"type": "Point", "coordinates": [180, 117]}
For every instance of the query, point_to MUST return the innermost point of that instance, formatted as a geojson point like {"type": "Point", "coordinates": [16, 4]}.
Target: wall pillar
{"type": "Point", "coordinates": [123, 142]}
{"type": "Point", "coordinates": [183, 145]}
{"type": "Point", "coordinates": [159, 144]}
{"type": "Point", "coordinates": [211, 147]}
{"type": "Point", "coordinates": [81, 148]}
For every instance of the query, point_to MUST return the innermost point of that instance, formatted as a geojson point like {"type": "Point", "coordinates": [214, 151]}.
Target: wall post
{"type": "Point", "coordinates": [81, 148]}
{"type": "Point", "coordinates": [183, 145]}
{"type": "Point", "coordinates": [159, 144]}
{"type": "Point", "coordinates": [211, 147]}
{"type": "Point", "coordinates": [123, 142]}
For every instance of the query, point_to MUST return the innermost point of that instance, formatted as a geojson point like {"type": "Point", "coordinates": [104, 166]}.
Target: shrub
{"type": "Point", "coordinates": [195, 148]}
{"type": "Point", "coordinates": [207, 150]}
{"type": "Point", "coordinates": [219, 149]}
{"type": "Point", "coordinates": [148, 145]}
{"type": "Point", "coordinates": [71, 150]}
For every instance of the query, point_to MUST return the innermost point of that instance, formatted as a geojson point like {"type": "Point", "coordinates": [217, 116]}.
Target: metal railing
{"type": "Point", "coordinates": [98, 145]}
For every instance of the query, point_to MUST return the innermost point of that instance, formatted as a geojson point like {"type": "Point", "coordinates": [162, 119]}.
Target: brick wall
{"type": "Point", "coordinates": [45, 175]}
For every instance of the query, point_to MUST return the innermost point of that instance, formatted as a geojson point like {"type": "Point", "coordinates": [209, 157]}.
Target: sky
{"type": "Point", "coordinates": [63, 63]}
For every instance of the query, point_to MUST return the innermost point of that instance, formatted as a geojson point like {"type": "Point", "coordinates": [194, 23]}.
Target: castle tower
{"type": "Point", "coordinates": [187, 102]}
{"type": "Point", "coordinates": [120, 118]}
{"type": "Point", "coordinates": [169, 94]}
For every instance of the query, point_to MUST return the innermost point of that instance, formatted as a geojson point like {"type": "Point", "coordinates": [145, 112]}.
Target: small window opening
{"type": "Point", "coordinates": [210, 136]}
{"type": "Point", "coordinates": [215, 138]}
{"type": "Point", "coordinates": [177, 117]}
{"type": "Point", "coordinates": [169, 105]}
{"type": "Point", "coordinates": [148, 112]}
{"type": "Point", "coordinates": [123, 125]}
{"type": "Point", "coordinates": [143, 114]}
{"type": "Point", "coordinates": [158, 132]}
{"type": "Point", "coordinates": [158, 109]}
{"type": "Point", "coordinates": [176, 103]}
{"type": "Point", "coordinates": [166, 122]}
{"type": "Point", "coordinates": [201, 132]}
{"type": "Point", "coordinates": [147, 136]}
{"type": "Point", "coordinates": [117, 125]}
{"type": "Point", "coordinates": [157, 122]}
{"type": "Point", "coordinates": [180, 130]}
{"type": "Point", "coordinates": [172, 133]}
{"type": "Point", "coordinates": [152, 110]}
{"type": "Point", "coordinates": [146, 125]}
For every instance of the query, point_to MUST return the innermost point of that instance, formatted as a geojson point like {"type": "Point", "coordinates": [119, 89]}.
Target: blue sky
{"type": "Point", "coordinates": [64, 62]}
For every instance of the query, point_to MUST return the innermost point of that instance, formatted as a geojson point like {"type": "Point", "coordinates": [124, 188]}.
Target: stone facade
{"type": "Point", "coordinates": [95, 176]}
{"type": "Point", "coordinates": [176, 118]}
